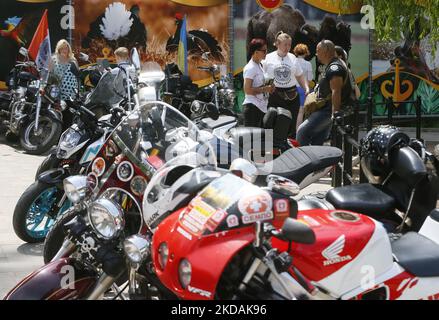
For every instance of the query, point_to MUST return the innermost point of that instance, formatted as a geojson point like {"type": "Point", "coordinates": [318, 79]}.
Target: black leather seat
{"type": "Point", "coordinates": [363, 198]}
{"type": "Point", "coordinates": [417, 254]}
{"type": "Point", "coordinates": [297, 163]}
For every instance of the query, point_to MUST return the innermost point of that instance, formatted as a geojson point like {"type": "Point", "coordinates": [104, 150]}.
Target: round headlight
{"type": "Point", "coordinates": [185, 273]}
{"type": "Point", "coordinates": [163, 255]}
{"type": "Point", "coordinates": [54, 92]}
{"type": "Point", "coordinates": [136, 248]}
{"type": "Point", "coordinates": [76, 188]}
{"type": "Point", "coordinates": [106, 218]}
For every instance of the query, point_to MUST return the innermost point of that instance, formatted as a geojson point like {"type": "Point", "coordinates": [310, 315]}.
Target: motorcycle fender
{"type": "Point", "coordinates": [50, 113]}
{"type": "Point", "coordinates": [59, 280]}
{"type": "Point", "coordinates": [54, 176]}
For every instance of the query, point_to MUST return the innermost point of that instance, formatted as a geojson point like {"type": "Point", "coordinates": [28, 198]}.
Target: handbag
{"type": "Point", "coordinates": [314, 103]}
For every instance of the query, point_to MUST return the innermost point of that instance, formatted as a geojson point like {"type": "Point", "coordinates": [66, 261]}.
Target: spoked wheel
{"type": "Point", "coordinates": [36, 212]}
{"type": "Point", "coordinates": [39, 141]}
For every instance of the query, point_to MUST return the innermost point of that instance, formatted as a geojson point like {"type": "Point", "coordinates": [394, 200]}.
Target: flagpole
{"type": "Point", "coordinates": [70, 31]}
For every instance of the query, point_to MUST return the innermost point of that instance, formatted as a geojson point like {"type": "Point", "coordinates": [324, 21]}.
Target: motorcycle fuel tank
{"type": "Point", "coordinates": [348, 247]}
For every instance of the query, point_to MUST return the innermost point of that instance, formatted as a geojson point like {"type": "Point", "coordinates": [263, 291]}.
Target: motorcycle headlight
{"type": "Point", "coordinates": [136, 248]}
{"type": "Point", "coordinates": [163, 255]}
{"type": "Point", "coordinates": [76, 188]}
{"type": "Point", "coordinates": [54, 92]}
{"type": "Point", "coordinates": [69, 139]}
{"type": "Point", "coordinates": [184, 273]}
{"type": "Point", "coordinates": [106, 218]}
{"type": "Point", "coordinates": [21, 92]}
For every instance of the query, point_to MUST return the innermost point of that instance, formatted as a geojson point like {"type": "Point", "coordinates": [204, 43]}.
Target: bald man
{"type": "Point", "coordinates": [315, 130]}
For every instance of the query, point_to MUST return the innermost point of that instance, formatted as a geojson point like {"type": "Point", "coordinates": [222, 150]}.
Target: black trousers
{"type": "Point", "coordinates": [277, 99]}
{"type": "Point", "coordinates": [253, 116]}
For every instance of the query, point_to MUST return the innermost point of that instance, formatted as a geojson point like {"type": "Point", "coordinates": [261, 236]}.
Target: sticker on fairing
{"type": "Point", "coordinates": [232, 221]}
{"type": "Point", "coordinates": [98, 166]}
{"type": "Point", "coordinates": [257, 207]}
{"type": "Point", "coordinates": [281, 208]}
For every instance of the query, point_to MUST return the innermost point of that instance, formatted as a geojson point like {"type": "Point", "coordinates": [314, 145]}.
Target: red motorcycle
{"type": "Point", "coordinates": [226, 244]}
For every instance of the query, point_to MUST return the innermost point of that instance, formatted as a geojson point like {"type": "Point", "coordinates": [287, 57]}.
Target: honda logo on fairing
{"type": "Point", "coordinates": [332, 252]}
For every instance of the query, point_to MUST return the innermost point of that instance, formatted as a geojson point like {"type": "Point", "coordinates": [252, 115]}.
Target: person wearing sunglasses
{"type": "Point", "coordinates": [255, 88]}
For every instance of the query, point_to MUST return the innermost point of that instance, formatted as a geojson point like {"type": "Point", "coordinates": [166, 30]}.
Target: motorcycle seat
{"type": "Point", "coordinates": [363, 198]}
{"type": "Point", "coordinates": [210, 124]}
{"type": "Point", "coordinates": [297, 163]}
{"type": "Point", "coordinates": [417, 254]}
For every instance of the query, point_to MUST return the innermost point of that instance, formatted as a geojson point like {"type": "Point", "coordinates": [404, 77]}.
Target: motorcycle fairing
{"type": "Point", "coordinates": [61, 279]}
{"type": "Point", "coordinates": [208, 255]}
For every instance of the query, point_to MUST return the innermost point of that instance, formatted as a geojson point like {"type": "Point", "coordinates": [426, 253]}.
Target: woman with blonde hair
{"type": "Point", "coordinates": [284, 68]}
{"type": "Point", "coordinates": [64, 65]}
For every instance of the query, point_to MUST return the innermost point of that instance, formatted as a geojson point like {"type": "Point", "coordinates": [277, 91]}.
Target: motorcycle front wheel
{"type": "Point", "coordinates": [40, 141]}
{"type": "Point", "coordinates": [36, 211]}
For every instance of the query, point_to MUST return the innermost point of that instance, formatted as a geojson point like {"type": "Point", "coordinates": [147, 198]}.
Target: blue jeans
{"type": "Point", "coordinates": [315, 130]}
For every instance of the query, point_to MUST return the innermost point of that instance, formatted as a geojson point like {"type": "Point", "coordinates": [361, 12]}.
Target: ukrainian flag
{"type": "Point", "coordinates": [182, 49]}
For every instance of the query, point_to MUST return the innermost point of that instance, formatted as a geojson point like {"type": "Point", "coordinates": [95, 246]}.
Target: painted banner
{"type": "Point", "coordinates": [153, 27]}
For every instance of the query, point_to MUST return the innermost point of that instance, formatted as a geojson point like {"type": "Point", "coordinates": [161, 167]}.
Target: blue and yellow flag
{"type": "Point", "coordinates": [182, 49]}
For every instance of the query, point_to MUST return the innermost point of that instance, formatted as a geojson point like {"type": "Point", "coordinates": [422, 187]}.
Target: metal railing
{"type": "Point", "coordinates": [345, 132]}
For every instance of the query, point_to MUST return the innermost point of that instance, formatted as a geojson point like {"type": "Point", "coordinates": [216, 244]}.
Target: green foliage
{"type": "Point", "coordinates": [429, 97]}
{"type": "Point", "coordinates": [394, 17]}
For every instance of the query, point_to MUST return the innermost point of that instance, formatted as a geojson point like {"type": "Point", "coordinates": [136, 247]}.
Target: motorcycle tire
{"type": "Point", "coordinates": [11, 137]}
{"type": "Point", "coordinates": [50, 162]}
{"type": "Point", "coordinates": [55, 236]}
{"type": "Point", "coordinates": [26, 134]}
{"type": "Point", "coordinates": [38, 197]}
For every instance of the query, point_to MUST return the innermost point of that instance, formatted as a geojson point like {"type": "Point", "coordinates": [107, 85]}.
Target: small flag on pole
{"type": "Point", "coordinates": [39, 48]}
{"type": "Point", "coordinates": [182, 49]}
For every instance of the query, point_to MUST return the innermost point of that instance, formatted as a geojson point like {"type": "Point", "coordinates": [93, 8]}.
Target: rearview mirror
{"type": "Point", "coordinates": [298, 232]}
{"type": "Point", "coordinates": [135, 59]}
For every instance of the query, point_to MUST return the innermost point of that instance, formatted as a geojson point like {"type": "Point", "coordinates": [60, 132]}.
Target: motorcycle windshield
{"type": "Point", "coordinates": [147, 138]}
{"type": "Point", "coordinates": [226, 203]}
{"type": "Point", "coordinates": [110, 90]}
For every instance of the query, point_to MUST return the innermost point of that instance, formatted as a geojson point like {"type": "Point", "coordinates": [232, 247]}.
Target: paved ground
{"type": "Point", "coordinates": [17, 258]}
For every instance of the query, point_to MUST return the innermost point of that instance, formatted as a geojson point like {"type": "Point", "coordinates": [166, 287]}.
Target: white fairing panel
{"type": "Point", "coordinates": [430, 229]}
{"type": "Point", "coordinates": [376, 257]}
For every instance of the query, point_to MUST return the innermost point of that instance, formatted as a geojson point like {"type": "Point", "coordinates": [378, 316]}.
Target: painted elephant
{"type": "Point", "coordinates": [266, 25]}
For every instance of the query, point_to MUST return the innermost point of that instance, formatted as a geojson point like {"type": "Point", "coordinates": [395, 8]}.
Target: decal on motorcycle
{"type": "Point", "coordinates": [138, 185]}
{"type": "Point", "coordinates": [215, 220]}
{"type": "Point", "coordinates": [91, 152]}
{"type": "Point", "coordinates": [125, 171]}
{"type": "Point", "coordinates": [232, 221]}
{"type": "Point", "coordinates": [110, 149]}
{"type": "Point", "coordinates": [256, 207]}
{"type": "Point", "coordinates": [98, 166]}
{"type": "Point", "coordinates": [201, 292]}
{"type": "Point", "coordinates": [281, 208]}
{"type": "Point", "coordinates": [93, 181]}
{"type": "Point", "coordinates": [333, 251]}
{"type": "Point", "coordinates": [196, 219]}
